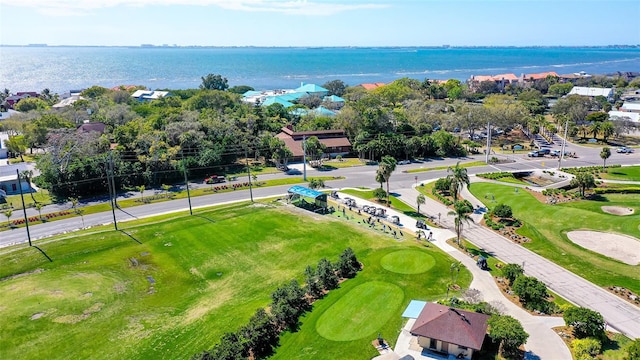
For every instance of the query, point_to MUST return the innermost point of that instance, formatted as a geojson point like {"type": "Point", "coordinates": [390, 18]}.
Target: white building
{"type": "Point", "coordinates": [148, 95]}
{"type": "Point", "coordinates": [623, 115]}
{"type": "Point", "coordinates": [592, 92]}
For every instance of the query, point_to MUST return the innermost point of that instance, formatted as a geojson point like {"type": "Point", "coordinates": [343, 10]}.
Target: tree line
{"type": "Point", "coordinates": [206, 130]}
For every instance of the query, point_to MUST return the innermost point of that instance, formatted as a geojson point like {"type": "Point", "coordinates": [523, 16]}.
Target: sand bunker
{"type": "Point", "coordinates": [617, 210]}
{"type": "Point", "coordinates": [620, 247]}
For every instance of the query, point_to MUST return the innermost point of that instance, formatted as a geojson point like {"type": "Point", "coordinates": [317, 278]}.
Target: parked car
{"type": "Point", "coordinates": [404, 162]}
{"type": "Point", "coordinates": [214, 179]}
{"type": "Point", "coordinates": [555, 153]}
{"type": "Point", "coordinates": [395, 220]}
{"type": "Point", "coordinates": [293, 172]}
{"type": "Point", "coordinates": [624, 150]}
{"type": "Point", "coordinates": [534, 154]}
{"type": "Point", "coordinates": [544, 151]}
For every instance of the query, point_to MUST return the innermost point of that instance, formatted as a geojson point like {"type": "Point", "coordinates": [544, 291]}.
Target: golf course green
{"type": "Point", "coordinates": [547, 225]}
{"type": "Point", "coordinates": [167, 288]}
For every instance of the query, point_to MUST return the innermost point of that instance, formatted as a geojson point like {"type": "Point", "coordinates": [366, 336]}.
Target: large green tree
{"type": "Point", "coordinates": [583, 180]}
{"type": "Point", "coordinates": [585, 322]}
{"type": "Point", "coordinates": [214, 82]}
{"type": "Point", "coordinates": [509, 333]}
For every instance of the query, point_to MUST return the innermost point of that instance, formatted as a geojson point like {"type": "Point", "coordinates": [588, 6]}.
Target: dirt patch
{"type": "Point", "coordinates": [617, 210]}
{"type": "Point", "coordinates": [36, 316]}
{"type": "Point", "coordinates": [620, 247]}
{"type": "Point", "coordinates": [36, 271]}
{"type": "Point", "coordinates": [72, 319]}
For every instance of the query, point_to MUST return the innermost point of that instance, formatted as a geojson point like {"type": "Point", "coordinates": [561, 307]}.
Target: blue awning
{"type": "Point", "coordinates": [304, 191]}
{"type": "Point", "coordinates": [414, 309]}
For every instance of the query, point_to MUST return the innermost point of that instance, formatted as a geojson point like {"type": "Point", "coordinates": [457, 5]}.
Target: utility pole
{"type": "Point", "coordinates": [24, 208]}
{"type": "Point", "coordinates": [111, 191]}
{"type": "Point", "coordinates": [564, 143]}
{"type": "Point", "coordinates": [246, 157]}
{"type": "Point", "coordinates": [113, 180]}
{"type": "Point", "coordinates": [304, 157]}
{"type": "Point", "coordinates": [488, 142]}
{"type": "Point", "coordinates": [186, 182]}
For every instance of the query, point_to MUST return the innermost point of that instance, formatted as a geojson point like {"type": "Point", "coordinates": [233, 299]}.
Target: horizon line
{"type": "Point", "coordinates": [323, 46]}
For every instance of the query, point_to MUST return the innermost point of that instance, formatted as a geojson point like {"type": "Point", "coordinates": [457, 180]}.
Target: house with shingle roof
{"type": "Point", "coordinates": [450, 331]}
{"type": "Point", "coordinates": [335, 141]}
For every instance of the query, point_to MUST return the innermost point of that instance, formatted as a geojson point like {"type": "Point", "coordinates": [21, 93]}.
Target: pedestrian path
{"type": "Point", "coordinates": [543, 342]}
{"type": "Point", "coordinates": [619, 314]}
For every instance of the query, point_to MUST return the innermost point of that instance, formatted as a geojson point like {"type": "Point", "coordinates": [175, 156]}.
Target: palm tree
{"type": "Point", "coordinates": [27, 175]}
{"type": "Point", "coordinates": [38, 207]}
{"type": "Point", "coordinates": [454, 269]}
{"type": "Point", "coordinates": [458, 178]}
{"type": "Point", "coordinates": [604, 155]}
{"type": "Point", "coordinates": [461, 212]}
{"type": "Point", "coordinates": [380, 177]}
{"type": "Point", "coordinates": [387, 167]}
{"type": "Point", "coordinates": [8, 214]}
{"type": "Point", "coordinates": [607, 130]}
{"type": "Point", "coordinates": [420, 200]}
{"type": "Point", "coordinates": [595, 128]}
{"type": "Point", "coordinates": [141, 190]}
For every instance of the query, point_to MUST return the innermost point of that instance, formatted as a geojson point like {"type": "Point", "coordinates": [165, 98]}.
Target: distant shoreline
{"type": "Point", "coordinates": [151, 46]}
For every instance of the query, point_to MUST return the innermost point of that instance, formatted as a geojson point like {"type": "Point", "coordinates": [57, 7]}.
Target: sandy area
{"type": "Point", "coordinates": [620, 247]}
{"type": "Point", "coordinates": [617, 210]}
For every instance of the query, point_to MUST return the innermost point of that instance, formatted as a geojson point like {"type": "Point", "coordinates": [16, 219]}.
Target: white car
{"type": "Point", "coordinates": [404, 162]}
{"type": "Point", "coordinates": [624, 150]}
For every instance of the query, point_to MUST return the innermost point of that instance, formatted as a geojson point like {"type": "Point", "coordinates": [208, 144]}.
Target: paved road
{"type": "Point", "coordinates": [619, 314]}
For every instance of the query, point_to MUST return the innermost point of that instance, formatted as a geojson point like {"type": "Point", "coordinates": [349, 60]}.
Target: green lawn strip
{"type": "Point", "coordinates": [628, 173]}
{"type": "Point", "coordinates": [547, 226]}
{"type": "Point", "coordinates": [463, 165]}
{"type": "Point", "coordinates": [615, 348]}
{"type": "Point", "coordinates": [396, 203]}
{"type": "Point", "coordinates": [512, 180]}
{"type": "Point", "coordinates": [42, 196]}
{"type": "Point", "coordinates": [172, 195]}
{"type": "Point", "coordinates": [344, 163]}
{"type": "Point", "coordinates": [191, 279]}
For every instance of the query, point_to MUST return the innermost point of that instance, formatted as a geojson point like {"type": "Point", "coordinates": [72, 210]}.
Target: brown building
{"type": "Point", "coordinates": [452, 331]}
{"type": "Point", "coordinates": [335, 141]}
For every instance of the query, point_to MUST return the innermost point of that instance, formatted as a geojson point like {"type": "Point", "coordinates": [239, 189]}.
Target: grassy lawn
{"type": "Point", "coordinates": [192, 278]}
{"type": "Point", "coordinates": [41, 196]}
{"type": "Point", "coordinates": [629, 173]}
{"type": "Point", "coordinates": [344, 163]}
{"type": "Point", "coordinates": [463, 165]}
{"type": "Point", "coordinates": [174, 195]}
{"type": "Point", "coordinates": [547, 226]}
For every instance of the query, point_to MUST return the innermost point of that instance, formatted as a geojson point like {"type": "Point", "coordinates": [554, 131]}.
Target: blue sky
{"type": "Point", "coordinates": [320, 22]}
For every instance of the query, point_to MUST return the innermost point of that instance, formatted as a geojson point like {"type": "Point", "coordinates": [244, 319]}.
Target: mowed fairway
{"type": "Point", "coordinates": [547, 226]}
{"type": "Point", "coordinates": [192, 278]}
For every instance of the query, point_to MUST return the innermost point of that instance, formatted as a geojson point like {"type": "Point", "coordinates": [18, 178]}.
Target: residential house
{"type": "Point", "coordinates": [312, 90]}
{"type": "Point", "coordinates": [149, 95]}
{"type": "Point", "coordinates": [88, 127]}
{"type": "Point", "coordinates": [624, 115]}
{"type": "Point", "coordinates": [334, 102]}
{"type": "Point", "coordinates": [12, 100]}
{"type": "Point", "coordinates": [9, 179]}
{"type": "Point", "coordinates": [592, 92]}
{"type": "Point", "coordinates": [450, 331]}
{"type": "Point", "coordinates": [372, 85]}
{"type": "Point", "coordinates": [8, 113]}
{"type": "Point", "coordinates": [3, 148]}
{"type": "Point", "coordinates": [68, 101]}
{"type": "Point", "coordinates": [629, 106]}
{"type": "Point", "coordinates": [502, 80]}
{"type": "Point", "coordinates": [335, 141]}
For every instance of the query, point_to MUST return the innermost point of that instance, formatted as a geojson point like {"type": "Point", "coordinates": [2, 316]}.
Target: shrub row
{"type": "Point", "coordinates": [442, 199]}
{"type": "Point", "coordinates": [496, 175]}
{"type": "Point", "coordinates": [261, 335]}
{"type": "Point", "coordinates": [48, 216]}
{"type": "Point", "coordinates": [592, 169]}
{"type": "Point", "coordinates": [620, 190]}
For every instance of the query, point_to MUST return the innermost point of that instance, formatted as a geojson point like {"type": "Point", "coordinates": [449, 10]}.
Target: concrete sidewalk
{"type": "Point", "coordinates": [543, 342]}
{"type": "Point", "coordinates": [619, 314]}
